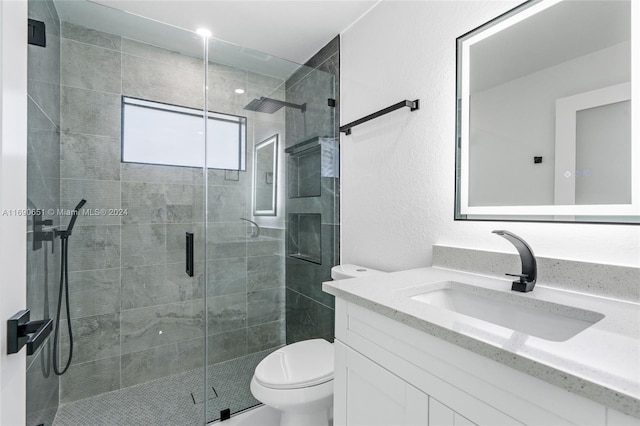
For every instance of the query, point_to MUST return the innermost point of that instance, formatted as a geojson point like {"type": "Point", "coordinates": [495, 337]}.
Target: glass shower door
{"type": "Point", "coordinates": [116, 117]}
{"type": "Point", "coordinates": [265, 101]}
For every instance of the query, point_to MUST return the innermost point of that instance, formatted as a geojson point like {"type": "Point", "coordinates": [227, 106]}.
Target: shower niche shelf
{"type": "Point", "coordinates": [304, 240]}
{"type": "Point", "coordinates": [307, 163]}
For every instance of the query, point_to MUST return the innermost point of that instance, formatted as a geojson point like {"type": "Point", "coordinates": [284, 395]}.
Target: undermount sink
{"type": "Point", "coordinates": [546, 320]}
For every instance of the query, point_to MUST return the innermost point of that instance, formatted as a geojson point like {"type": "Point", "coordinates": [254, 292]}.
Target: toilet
{"type": "Point", "coordinates": [297, 379]}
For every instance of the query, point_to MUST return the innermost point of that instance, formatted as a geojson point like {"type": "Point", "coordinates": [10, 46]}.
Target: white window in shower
{"type": "Point", "coordinates": [157, 133]}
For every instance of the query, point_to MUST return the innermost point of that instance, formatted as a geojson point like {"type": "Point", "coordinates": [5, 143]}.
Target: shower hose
{"type": "Point", "coordinates": [64, 286]}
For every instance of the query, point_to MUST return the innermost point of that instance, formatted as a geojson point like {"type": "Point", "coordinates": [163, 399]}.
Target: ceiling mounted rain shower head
{"type": "Point", "coordinates": [270, 106]}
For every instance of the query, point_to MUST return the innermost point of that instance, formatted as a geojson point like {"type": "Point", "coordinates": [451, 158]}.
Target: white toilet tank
{"type": "Point", "coordinates": [348, 270]}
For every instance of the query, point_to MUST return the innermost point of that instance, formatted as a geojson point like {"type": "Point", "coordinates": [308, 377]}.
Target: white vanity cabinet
{"type": "Point", "coordinates": [388, 373]}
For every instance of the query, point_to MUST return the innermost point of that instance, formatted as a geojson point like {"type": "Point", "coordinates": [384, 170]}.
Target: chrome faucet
{"type": "Point", "coordinates": [529, 266]}
{"type": "Point", "coordinates": [255, 231]}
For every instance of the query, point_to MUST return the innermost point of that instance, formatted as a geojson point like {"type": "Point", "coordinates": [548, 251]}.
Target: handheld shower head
{"type": "Point", "coordinates": [72, 222]}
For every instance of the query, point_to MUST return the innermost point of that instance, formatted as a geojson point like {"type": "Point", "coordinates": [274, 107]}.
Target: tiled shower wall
{"type": "Point", "coordinates": [136, 315]}
{"type": "Point", "coordinates": [43, 192]}
{"type": "Point", "coordinates": [313, 221]}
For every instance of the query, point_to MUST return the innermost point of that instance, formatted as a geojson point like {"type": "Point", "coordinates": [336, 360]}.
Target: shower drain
{"type": "Point", "coordinates": [198, 396]}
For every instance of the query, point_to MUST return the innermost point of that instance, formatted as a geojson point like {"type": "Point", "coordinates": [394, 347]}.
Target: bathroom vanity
{"type": "Point", "coordinates": [408, 353]}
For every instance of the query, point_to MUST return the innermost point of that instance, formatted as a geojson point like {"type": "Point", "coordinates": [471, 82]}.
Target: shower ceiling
{"type": "Point", "coordinates": [293, 30]}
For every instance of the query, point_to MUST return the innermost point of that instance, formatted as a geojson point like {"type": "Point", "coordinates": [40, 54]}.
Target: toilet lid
{"type": "Point", "coordinates": [298, 365]}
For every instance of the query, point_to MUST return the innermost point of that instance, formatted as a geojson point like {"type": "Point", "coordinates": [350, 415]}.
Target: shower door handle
{"type": "Point", "coordinates": [189, 253]}
{"type": "Point", "coordinates": [19, 328]}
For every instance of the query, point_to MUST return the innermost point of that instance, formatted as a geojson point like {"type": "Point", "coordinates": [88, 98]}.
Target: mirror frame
{"type": "Point", "coordinates": [272, 140]}
{"type": "Point", "coordinates": [611, 213]}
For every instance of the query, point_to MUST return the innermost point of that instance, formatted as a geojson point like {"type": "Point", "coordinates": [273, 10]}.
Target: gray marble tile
{"type": "Point", "coordinates": [162, 82]}
{"type": "Point", "coordinates": [103, 201]}
{"type": "Point", "coordinates": [277, 233]}
{"type": "Point", "coordinates": [90, 36]}
{"type": "Point", "coordinates": [265, 272]}
{"type": "Point", "coordinates": [42, 297]}
{"type": "Point", "coordinates": [265, 306]}
{"type": "Point", "coordinates": [226, 204]}
{"type": "Point", "coordinates": [222, 95]}
{"type": "Point", "coordinates": [184, 203]}
{"type": "Point", "coordinates": [143, 244]}
{"type": "Point", "coordinates": [42, 390]}
{"type": "Point", "coordinates": [161, 325]}
{"type": "Point", "coordinates": [226, 241]}
{"type": "Point", "coordinates": [89, 157]}
{"type": "Point", "coordinates": [176, 240]}
{"type": "Point", "coordinates": [227, 71]}
{"type": "Point", "coordinates": [44, 193]}
{"type": "Point", "coordinates": [265, 336]}
{"type": "Point", "coordinates": [144, 202]}
{"type": "Point", "coordinates": [132, 172]}
{"type": "Point", "coordinates": [94, 293]}
{"type": "Point", "coordinates": [308, 173]}
{"type": "Point", "coordinates": [331, 239]}
{"type": "Point", "coordinates": [90, 67]}
{"type": "Point", "coordinates": [227, 276]}
{"type": "Point", "coordinates": [94, 247]}
{"type": "Point", "coordinates": [146, 365]}
{"type": "Point", "coordinates": [47, 97]}
{"type": "Point", "coordinates": [218, 177]}
{"type": "Point", "coordinates": [44, 10]}
{"type": "Point", "coordinates": [306, 278]}
{"type": "Point", "coordinates": [44, 63]}
{"type": "Point", "coordinates": [265, 81]}
{"type": "Point", "coordinates": [264, 246]}
{"type": "Point", "coordinates": [304, 237]}
{"type": "Point", "coordinates": [227, 345]}
{"type": "Point", "coordinates": [189, 288]}
{"type": "Point", "coordinates": [319, 119]}
{"type": "Point", "coordinates": [155, 53]}
{"type": "Point", "coordinates": [94, 338]}
{"type": "Point", "coordinates": [89, 379]}
{"type": "Point", "coordinates": [227, 312]}
{"type": "Point", "coordinates": [43, 153]}
{"type": "Point", "coordinates": [88, 112]}
{"type": "Point", "coordinates": [37, 120]}
{"type": "Point", "coordinates": [332, 66]}
{"type": "Point", "coordinates": [38, 261]}
{"type": "Point", "coordinates": [144, 286]}
{"type": "Point", "coordinates": [307, 319]}
{"type": "Point", "coordinates": [325, 204]}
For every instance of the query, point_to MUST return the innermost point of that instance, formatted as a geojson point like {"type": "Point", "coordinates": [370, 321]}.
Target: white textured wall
{"type": "Point", "coordinates": [398, 171]}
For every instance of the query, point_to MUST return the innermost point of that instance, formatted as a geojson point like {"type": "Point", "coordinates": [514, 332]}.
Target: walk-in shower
{"type": "Point", "coordinates": [145, 122]}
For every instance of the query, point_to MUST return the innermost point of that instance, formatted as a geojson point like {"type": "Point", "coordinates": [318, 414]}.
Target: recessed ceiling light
{"type": "Point", "coordinates": [239, 91]}
{"type": "Point", "coordinates": [203, 32]}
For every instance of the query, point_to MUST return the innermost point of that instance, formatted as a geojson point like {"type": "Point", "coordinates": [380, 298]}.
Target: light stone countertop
{"type": "Point", "coordinates": [601, 363]}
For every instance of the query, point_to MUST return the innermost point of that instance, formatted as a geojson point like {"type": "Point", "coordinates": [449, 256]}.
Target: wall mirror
{"type": "Point", "coordinates": [545, 126]}
{"type": "Point", "coordinates": [265, 172]}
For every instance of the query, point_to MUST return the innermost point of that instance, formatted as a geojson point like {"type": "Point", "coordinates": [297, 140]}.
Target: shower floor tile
{"type": "Point", "coordinates": [169, 401]}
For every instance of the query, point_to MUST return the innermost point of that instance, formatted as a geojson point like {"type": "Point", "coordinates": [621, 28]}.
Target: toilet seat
{"type": "Point", "coordinates": [299, 365]}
